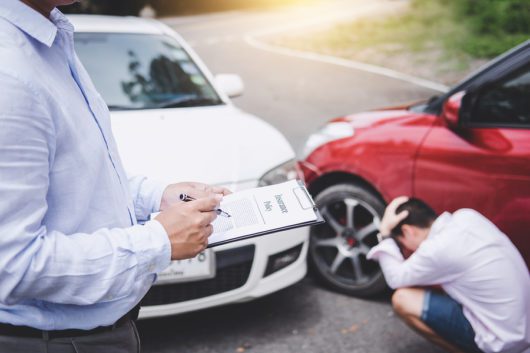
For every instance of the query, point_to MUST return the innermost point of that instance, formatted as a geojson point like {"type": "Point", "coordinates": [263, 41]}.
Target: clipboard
{"type": "Point", "coordinates": [305, 202]}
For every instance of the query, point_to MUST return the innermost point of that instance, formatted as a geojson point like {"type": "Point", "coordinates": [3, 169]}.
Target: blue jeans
{"type": "Point", "coordinates": [446, 317]}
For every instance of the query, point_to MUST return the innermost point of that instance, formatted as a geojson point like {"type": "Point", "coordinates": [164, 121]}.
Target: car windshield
{"type": "Point", "coordinates": [142, 71]}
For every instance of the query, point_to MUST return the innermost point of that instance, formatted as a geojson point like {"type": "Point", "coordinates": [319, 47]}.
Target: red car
{"type": "Point", "coordinates": [469, 148]}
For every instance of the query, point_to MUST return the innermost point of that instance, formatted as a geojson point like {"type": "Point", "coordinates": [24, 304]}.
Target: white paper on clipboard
{"type": "Point", "coordinates": [264, 210]}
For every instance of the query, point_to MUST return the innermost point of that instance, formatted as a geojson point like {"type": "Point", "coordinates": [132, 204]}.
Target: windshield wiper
{"type": "Point", "coordinates": [185, 101]}
{"type": "Point", "coordinates": [123, 107]}
{"type": "Point", "coordinates": [188, 101]}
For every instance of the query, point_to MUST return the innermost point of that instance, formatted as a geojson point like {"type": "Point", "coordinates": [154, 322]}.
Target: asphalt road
{"type": "Point", "coordinates": [302, 318]}
{"type": "Point", "coordinates": [296, 95]}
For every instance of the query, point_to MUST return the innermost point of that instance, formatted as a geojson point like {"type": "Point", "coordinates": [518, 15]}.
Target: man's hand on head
{"type": "Point", "coordinates": [171, 195]}
{"type": "Point", "coordinates": [390, 218]}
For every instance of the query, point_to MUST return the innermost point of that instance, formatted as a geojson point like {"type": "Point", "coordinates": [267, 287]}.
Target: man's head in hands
{"type": "Point", "coordinates": [408, 221]}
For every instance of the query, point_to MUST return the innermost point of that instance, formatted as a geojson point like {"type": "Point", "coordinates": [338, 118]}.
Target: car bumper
{"type": "Point", "coordinates": [240, 278]}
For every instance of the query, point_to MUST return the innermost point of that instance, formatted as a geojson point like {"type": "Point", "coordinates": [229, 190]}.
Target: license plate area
{"type": "Point", "coordinates": [200, 267]}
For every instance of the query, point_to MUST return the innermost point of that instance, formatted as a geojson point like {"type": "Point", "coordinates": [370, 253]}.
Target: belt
{"type": "Point", "coordinates": [30, 332]}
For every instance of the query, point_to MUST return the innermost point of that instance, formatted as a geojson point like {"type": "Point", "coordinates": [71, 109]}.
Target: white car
{"type": "Point", "coordinates": [173, 121]}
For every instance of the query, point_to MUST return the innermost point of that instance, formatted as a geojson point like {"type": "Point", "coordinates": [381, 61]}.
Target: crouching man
{"type": "Point", "coordinates": [485, 302]}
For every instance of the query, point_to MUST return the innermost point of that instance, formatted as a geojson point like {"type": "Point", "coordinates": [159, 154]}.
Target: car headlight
{"type": "Point", "coordinates": [329, 132]}
{"type": "Point", "coordinates": [284, 172]}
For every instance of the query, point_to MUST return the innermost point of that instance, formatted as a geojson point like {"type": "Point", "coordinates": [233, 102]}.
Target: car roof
{"type": "Point", "coordinates": [114, 24]}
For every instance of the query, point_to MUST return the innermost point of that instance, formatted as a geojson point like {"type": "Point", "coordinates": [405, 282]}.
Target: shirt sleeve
{"type": "Point", "coordinates": [426, 266]}
{"type": "Point", "coordinates": [37, 263]}
{"type": "Point", "coordinates": [147, 195]}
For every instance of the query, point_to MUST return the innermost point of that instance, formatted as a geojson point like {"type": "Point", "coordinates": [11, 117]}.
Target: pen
{"type": "Point", "coordinates": [220, 212]}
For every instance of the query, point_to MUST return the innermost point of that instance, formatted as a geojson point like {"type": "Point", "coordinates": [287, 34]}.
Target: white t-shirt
{"type": "Point", "coordinates": [478, 266]}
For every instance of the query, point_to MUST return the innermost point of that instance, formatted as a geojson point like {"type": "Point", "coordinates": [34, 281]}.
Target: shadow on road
{"type": "Point", "coordinates": [273, 314]}
{"type": "Point", "coordinates": [297, 310]}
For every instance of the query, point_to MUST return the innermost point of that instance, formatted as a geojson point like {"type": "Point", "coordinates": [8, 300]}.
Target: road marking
{"type": "Point", "coordinates": [212, 41]}
{"type": "Point", "coordinates": [253, 40]}
{"type": "Point", "coordinates": [327, 17]}
{"type": "Point", "coordinates": [194, 21]}
{"type": "Point", "coordinates": [356, 65]}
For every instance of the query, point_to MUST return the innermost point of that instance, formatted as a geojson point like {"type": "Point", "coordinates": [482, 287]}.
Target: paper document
{"type": "Point", "coordinates": [264, 210]}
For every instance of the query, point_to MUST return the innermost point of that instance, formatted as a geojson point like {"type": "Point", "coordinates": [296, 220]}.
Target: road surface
{"type": "Point", "coordinates": [297, 96]}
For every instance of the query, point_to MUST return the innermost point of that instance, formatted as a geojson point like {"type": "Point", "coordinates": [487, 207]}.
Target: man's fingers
{"type": "Point", "coordinates": [201, 193]}
{"type": "Point", "coordinates": [202, 190]}
{"type": "Point", "coordinates": [208, 230]}
{"type": "Point", "coordinates": [221, 190]}
{"type": "Point", "coordinates": [401, 216]}
{"type": "Point", "coordinates": [207, 204]}
{"type": "Point", "coordinates": [390, 218]}
{"type": "Point", "coordinates": [208, 218]}
{"type": "Point", "coordinates": [398, 201]}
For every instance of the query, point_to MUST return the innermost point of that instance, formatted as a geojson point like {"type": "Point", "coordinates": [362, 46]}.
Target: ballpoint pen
{"type": "Point", "coordinates": [220, 212]}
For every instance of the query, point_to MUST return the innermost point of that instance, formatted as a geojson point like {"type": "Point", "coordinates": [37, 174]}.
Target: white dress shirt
{"type": "Point", "coordinates": [476, 265]}
{"type": "Point", "coordinates": [71, 252]}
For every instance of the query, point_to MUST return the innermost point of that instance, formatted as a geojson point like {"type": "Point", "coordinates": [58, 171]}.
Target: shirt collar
{"type": "Point", "coordinates": [33, 23]}
{"type": "Point", "coordinates": [440, 223]}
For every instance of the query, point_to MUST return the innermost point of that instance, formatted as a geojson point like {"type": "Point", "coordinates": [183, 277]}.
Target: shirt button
{"type": "Point", "coordinates": [151, 268]}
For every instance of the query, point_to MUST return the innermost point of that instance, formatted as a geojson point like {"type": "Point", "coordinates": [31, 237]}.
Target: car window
{"type": "Point", "coordinates": [141, 71]}
{"type": "Point", "coordinates": [505, 103]}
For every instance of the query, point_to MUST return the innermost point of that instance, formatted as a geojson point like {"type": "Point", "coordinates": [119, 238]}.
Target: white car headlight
{"type": "Point", "coordinates": [329, 132]}
{"type": "Point", "coordinates": [284, 172]}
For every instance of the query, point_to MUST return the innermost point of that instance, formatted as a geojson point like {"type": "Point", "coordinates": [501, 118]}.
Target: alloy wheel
{"type": "Point", "coordinates": [339, 247]}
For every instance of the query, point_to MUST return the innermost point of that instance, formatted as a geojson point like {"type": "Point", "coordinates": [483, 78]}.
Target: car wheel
{"type": "Point", "coordinates": [338, 248]}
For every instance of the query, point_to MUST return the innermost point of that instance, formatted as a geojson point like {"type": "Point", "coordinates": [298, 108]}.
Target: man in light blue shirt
{"type": "Point", "coordinates": [73, 259]}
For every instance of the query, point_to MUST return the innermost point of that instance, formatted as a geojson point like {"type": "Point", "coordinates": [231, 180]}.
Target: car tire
{"type": "Point", "coordinates": [338, 248]}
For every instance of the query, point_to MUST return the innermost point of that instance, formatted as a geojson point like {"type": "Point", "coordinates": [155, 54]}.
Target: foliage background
{"type": "Point", "coordinates": [494, 25]}
{"type": "Point", "coordinates": [168, 7]}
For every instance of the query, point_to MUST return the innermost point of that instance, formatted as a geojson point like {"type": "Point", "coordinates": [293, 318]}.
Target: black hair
{"type": "Point", "coordinates": [420, 215]}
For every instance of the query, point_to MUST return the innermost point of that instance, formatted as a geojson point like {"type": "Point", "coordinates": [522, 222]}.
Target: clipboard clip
{"type": "Point", "coordinates": [303, 196]}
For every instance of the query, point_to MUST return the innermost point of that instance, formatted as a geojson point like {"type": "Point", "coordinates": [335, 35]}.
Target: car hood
{"type": "Point", "coordinates": [215, 145]}
{"type": "Point", "coordinates": [378, 117]}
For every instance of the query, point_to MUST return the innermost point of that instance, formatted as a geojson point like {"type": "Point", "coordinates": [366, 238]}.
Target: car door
{"type": "Point", "coordinates": [485, 163]}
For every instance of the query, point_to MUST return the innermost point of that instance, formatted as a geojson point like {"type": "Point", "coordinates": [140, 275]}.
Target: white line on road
{"type": "Point", "coordinates": [205, 19]}
{"type": "Point", "coordinates": [212, 41]}
{"type": "Point", "coordinates": [333, 60]}
{"type": "Point", "coordinates": [252, 40]}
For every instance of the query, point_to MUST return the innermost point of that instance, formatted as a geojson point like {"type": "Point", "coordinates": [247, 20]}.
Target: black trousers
{"type": "Point", "coordinates": [122, 339]}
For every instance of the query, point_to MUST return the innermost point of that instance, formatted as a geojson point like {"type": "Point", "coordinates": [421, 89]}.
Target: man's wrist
{"type": "Point", "coordinates": [382, 236]}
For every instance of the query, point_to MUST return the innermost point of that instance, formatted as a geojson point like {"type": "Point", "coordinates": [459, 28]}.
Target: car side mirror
{"type": "Point", "coordinates": [229, 84]}
{"type": "Point", "coordinates": [451, 109]}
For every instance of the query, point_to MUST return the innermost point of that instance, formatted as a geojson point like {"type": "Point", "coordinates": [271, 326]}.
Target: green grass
{"type": "Point", "coordinates": [492, 26]}
{"type": "Point", "coordinates": [458, 28]}
{"type": "Point", "coordinates": [438, 39]}
{"type": "Point", "coordinates": [417, 29]}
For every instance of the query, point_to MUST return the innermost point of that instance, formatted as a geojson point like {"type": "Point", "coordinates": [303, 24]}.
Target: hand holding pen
{"type": "Point", "coordinates": [220, 212]}
{"type": "Point", "coordinates": [189, 225]}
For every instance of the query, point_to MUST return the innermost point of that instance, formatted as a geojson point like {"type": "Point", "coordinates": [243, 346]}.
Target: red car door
{"type": "Point", "coordinates": [484, 164]}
